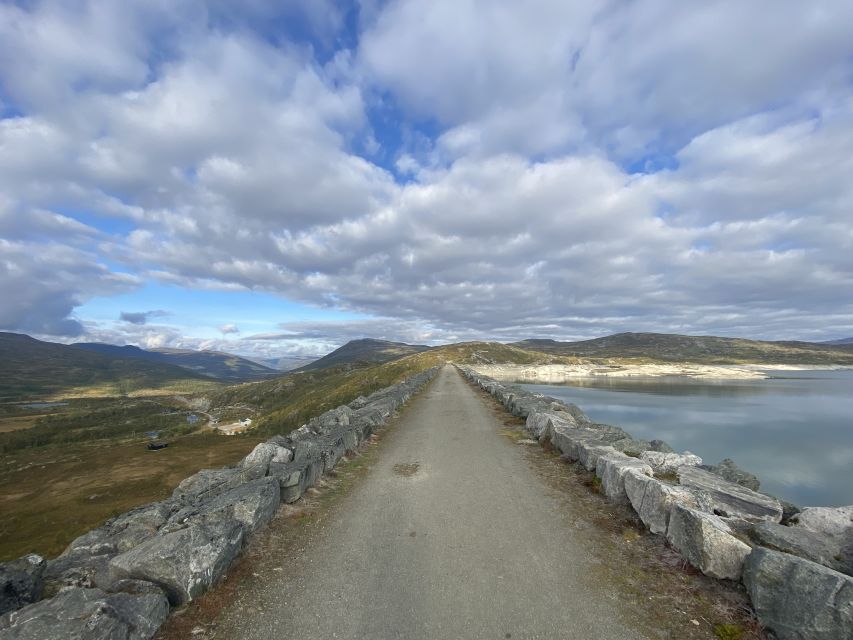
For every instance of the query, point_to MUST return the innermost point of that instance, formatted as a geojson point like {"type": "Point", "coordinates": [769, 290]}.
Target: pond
{"type": "Point", "coordinates": [794, 430]}
{"type": "Point", "coordinates": [43, 405]}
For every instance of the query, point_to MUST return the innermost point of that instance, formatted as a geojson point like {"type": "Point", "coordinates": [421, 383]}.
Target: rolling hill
{"type": "Point", "coordinates": [699, 349]}
{"type": "Point", "coordinates": [30, 367]}
{"type": "Point", "coordinates": [213, 364]}
{"type": "Point", "coordinates": [364, 351]}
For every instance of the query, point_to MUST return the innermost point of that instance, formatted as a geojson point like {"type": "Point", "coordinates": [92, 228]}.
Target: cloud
{"type": "Point", "coordinates": [44, 283]}
{"type": "Point", "coordinates": [227, 329]}
{"type": "Point", "coordinates": [141, 317]}
{"type": "Point", "coordinates": [566, 170]}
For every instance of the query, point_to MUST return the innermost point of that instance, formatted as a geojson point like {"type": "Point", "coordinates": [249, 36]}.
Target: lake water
{"type": "Point", "coordinates": [794, 431]}
{"type": "Point", "coordinates": [43, 405]}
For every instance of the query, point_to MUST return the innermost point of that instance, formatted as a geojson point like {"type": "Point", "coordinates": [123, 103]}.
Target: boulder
{"type": "Point", "coordinates": [209, 483]}
{"type": "Point", "coordinates": [662, 462]}
{"type": "Point", "coordinates": [291, 479]}
{"type": "Point", "coordinates": [265, 453]}
{"type": "Point", "coordinates": [729, 499]}
{"type": "Point", "coordinates": [125, 531]}
{"type": "Point", "coordinates": [728, 470]}
{"type": "Point", "coordinates": [799, 599]}
{"type": "Point", "coordinates": [542, 423]}
{"type": "Point", "coordinates": [611, 469]}
{"type": "Point", "coordinates": [21, 582]}
{"type": "Point", "coordinates": [134, 613]}
{"type": "Point", "coordinates": [707, 542]}
{"type": "Point", "coordinates": [789, 510]}
{"type": "Point", "coordinates": [252, 504]}
{"type": "Point", "coordinates": [817, 547]}
{"type": "Point", "coordinates": [660, 445]}
{"type": "Point", "coordinates": [186, 562]}
{"type": "Point", "coordinates": [77, 568]}
{"type": "Point", "coordinates": [653, 499]}
{"type": "Point", "coordinates": [833, 521]}
{"type": "Point", "coordinates": [588, 453]}
{"type": "Point", "coordinates": [631, 446]}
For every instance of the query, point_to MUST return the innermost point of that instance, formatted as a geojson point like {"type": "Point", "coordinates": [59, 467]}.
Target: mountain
{"type": "Point", "coordinates": [701, 349]}
{"type": "Point", "coordinates": [213, 364]}
{"type": "Point", "coordinates": [30, 367]}
{"type": "Point", "coordinates": [365, 351]}
{"type": "Point", "coordinates": [286, 363]}
{"type": "Point", "coordinates": [841, 341]}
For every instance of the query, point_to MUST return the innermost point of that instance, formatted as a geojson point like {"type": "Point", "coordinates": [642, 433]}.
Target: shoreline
{"type": "Point", "coordinates": [563, 372]}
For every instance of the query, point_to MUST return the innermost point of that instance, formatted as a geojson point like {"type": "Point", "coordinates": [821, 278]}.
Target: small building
{"type": "Point", "coordinates": [246, 422]}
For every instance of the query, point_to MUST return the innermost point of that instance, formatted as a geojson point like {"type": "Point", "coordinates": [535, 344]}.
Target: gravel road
{"type": "Point", "coordinates": [450, 535]}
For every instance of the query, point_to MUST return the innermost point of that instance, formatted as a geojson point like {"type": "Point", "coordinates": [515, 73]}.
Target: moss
{"type": "Point", "coordinates": [728, 631]}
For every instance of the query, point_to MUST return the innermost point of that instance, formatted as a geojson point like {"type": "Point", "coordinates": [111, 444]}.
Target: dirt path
{"type": "Point", "coordinates": [450, 535]}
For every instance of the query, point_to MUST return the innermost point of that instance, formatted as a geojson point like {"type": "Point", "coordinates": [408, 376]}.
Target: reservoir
{"type": "Point", "coordinates": [794, 430]}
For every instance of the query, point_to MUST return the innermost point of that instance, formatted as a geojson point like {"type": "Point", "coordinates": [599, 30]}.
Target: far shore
{"type": "Point", "coordinates": [562, 372]}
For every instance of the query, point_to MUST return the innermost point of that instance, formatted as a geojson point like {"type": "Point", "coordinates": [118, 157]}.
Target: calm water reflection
{"type": "Point", "coordinates": [794, 431]}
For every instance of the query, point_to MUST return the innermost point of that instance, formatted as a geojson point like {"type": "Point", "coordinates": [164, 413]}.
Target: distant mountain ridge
{"type": "Point", "coordinates": [30, 367]}
{"type": "Point", "coordinates": [213, 364]}
{"type": "Point", "coordinates": [840, 341]}
{"type": "Point", "coordinates": [365, 351]}
{"type": "Point", "coordinates": [700, 349]}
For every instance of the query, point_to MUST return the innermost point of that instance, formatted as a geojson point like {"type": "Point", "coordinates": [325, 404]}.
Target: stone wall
{"type": "Point", "coordinates": [796, 564]}
{"type": "Point", "coordinates": [121, 579]}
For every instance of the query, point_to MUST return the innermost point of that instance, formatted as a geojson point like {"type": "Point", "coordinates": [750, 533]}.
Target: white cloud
{"type": "Point", "coordinates": [207, 154]}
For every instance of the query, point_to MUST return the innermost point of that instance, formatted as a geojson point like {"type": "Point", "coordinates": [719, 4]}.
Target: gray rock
{"type": "Point", "coordinates": [125, 531]}
{"type": "Point", "coordinates": [653, 500]}
{"type": "Point", "coordinates": [77, 568]}
{"type": "Point", "coordinates": [707, 542]}
{"type": "Point", "coordinates": [186, 562]}
{"type": "Point", "coordinates": [660, 445]}
{"type": "Point", "coordinates": [611, 468]}
{"type": "Point", "coordinates": [265, 453]}
{"type": "Point", "coordinates": [209, 483]}
{"type": "Point", "coordinates": [588, 453]}
{"type": "Point", "coordinates": [789, 510]}
{"type": "Point", "coordinates": [799, 599]}
{"type": "Point", "coordinates": [90, 614]}
{"type": "Point", "coordinates": [817, 547]}
{"type": "Point", "coordinates": [21, 582]}
{"type": "Point", "coordinates": [542, 423]}
{"type": "Point", "coordinates": [252, 504]}
{"type": "Point", "coordinates": [85, 563]}
{"type": "Point", "coordinates": [358, 403]}
{"type": "Point", "coordinates": [631, 446]}
{"type": "Point", "coordinates": [728, 470]}
{"type": "Point", "coordinates": [729, 499]}
{"type": "Point", "coordinates": [669, 462]}
{"type": "Point", "coordinates": [833, 521]}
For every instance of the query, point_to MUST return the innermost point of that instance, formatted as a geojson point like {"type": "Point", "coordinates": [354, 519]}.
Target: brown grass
{"type": "Point", "coordinates": [51, 495]}
{"type": "Point", "coordinates": [16, 423]}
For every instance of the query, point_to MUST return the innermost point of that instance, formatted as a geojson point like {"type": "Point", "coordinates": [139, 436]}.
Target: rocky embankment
{"type": "Point", "coordinates": [122, 579]}
{"type": "Point", "coordinates": [796, 564]}
{"type": "Point", "coordinates": [555, 373]}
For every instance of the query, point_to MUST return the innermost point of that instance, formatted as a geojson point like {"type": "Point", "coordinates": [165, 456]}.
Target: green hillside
{"type": "Point", "coordinates": [213, 364]}
{"type": "Point", "coordinates": [364, 351]}
{"type": "Point", "coordinates": [30, 368]}
{"type": "Point", "coordinates": [698, 349]}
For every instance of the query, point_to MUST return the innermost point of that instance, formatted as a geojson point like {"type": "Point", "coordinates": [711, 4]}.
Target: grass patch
{"type": "Point", "coordinates": [51, 495]}
{"type": "Point", "coordinates": [728, 631]}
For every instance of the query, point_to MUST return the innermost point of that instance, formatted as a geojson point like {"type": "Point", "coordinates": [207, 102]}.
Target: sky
{"type": "Point", "coordinates": [273, 178]}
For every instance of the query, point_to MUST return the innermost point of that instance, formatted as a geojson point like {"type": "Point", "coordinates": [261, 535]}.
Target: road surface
{"type": "Point", "coordinates": [450, 535]}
